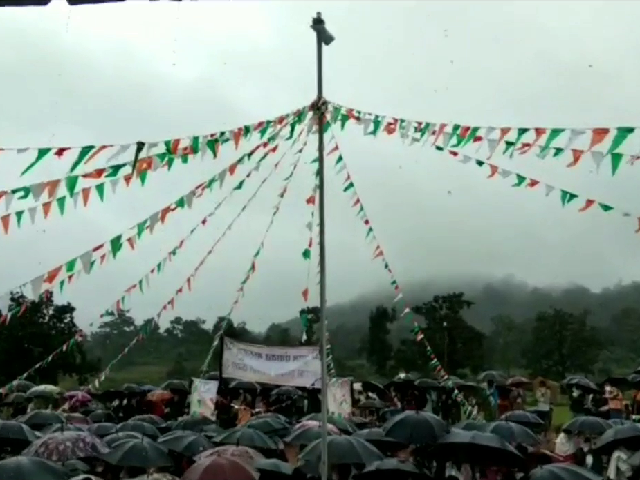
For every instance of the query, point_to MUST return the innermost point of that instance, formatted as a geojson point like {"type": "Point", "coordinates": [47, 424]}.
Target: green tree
{"type": "Point", "coordinates": [504, 343]}
{"type": "Point", "coordinates": [457, 344]}
{"type": "Point", "coordinates": [178, 369]}
{"type": "Point", "coordinates": [562, 343]}
{"type": "Point", "coordinates": [379, 350]}
{"type": "Point", "coordinates": [278, 335]}
{"type": "Point", "coordinates": [41, 329]}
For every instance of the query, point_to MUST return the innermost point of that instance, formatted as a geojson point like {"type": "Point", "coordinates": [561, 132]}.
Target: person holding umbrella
{"type": "Point", "coordinates": [614, 401]}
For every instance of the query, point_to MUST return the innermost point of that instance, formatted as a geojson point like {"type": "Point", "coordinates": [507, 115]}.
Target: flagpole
{"type": "Point", "coordinates": [323, 38]}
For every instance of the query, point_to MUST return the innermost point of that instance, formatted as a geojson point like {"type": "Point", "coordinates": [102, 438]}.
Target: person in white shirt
{"type": "Point", "coordinates": [543, 396]}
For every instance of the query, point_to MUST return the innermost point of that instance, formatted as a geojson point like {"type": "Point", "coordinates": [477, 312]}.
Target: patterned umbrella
{"type": "Point", "coordinates": [220, 468]}
{"type": "Point", "coordinates": [63, 427]}
{"type": "Point", "coordinates": [62, 447]}
{"type": "Point", "coordinates": [243, 454]}
{"type": "Point", "coordinates": [315, 424]}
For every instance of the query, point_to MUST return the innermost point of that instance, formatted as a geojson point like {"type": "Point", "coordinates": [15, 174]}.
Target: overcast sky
{"type": "Point", "coordinates": [138, 70]}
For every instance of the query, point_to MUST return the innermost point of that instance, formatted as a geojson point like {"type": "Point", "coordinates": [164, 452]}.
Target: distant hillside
{"type": "Point", "coordinates": [492, 297]}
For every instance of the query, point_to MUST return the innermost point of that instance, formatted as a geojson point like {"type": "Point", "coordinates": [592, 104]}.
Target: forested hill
{"type": "Point", "coordinates": [498, 297]}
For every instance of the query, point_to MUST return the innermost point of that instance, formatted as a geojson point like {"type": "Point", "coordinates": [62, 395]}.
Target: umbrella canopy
{"type": "Point", "coordinates": [19, 386]}
{"type": "Point", "coordinates": [377, 438]}
{"type": "Point", "coordinates": [627, 436]}
{"type": "Point", "coordinates": [150, 419]}
{"type": "Point", "coordinates": [373, 403]}
{"type": "Point", "coordinates": [220, 468]}
{"type": "Point", "coordinates": [76, 419]}
{"type": "Point", "coordinates": [44, 391]}
{"type": "Point", "coordinates": [102, 429]}
{"type": "Point", "coordinates": [286, 392]}
{"type": "Point", "coordinates": [499, 378]}
{"type": "Point", "coordinates": [270, 425]}
{"type": "Point", "coordinates": [41, 418]}
{"type": "Point", "coordinates": [415, 428]}
{"type": "Point", "coordinates": [141, 452]}
{"type": "Point", "coordinates": [194, 424]}
{"type": "Point", "coordinates": [114, 438]}
{"type": "Point", "coordinates": [136, 426]}
{"type": "Point", "coordinates": [342, 450]}
{"type": "Point", "coordinates": [31, 468]}
{"type": "Point", "coordinates": [63, 427]}
{"type": "Point", "coordinates": [562, 471]}
{"type": "Point", "coordinates": [246, 437]}
{"type": "Point", "coordinates": [175, 386]}
{"type": "Point", "coordinates": [471, 426]}
{"type": "Point", "coordinates": [212, 431]}
{"type": "Point", "coordinates": [580, 383]}
{"type": "Point", "coordinates": [513, 433]}
{"type": "Point", "coordinates": [519, 382]}
{"type": "Point", "coordinates": [15, 398]}
{"type": "Point", "coordinates": [593, 426]}
{"type": "Point", "coordinates": [10, 430]}
{"type": "Point", "coordinates": [391, 468]}
{"type": "Point", "coordinates": [524, 418]}
{"type": "Point", "coordinates": [62, 447]}
{"type": "Point", "coordinates": [244, 454]}
{"type": "Point", "coordinates": [103, 416]}
{"type": "Point", "coordinates": [340, 423]}
{"type": "Point", "coordinates": [244, 385]}
{"type": "Point", "coordinates": [305, 433]}
{"type": "Point", "coordinates": [186, 443]}
{"type": "Point", "coordinates": [273, 465]}
{"type": "Point", "coordinates": [78, 396]}
{"type": "Point", "coordinates": [477, 448]}
{"type": "Point", "coordinates": [427, 383]}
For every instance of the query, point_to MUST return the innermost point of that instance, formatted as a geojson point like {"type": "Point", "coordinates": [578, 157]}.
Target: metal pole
{"type": "Point", "coordinates": [320, 104]}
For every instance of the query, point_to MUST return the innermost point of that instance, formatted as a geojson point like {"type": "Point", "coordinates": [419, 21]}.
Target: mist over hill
{"type": "Point", "coordinates": [501, 296]}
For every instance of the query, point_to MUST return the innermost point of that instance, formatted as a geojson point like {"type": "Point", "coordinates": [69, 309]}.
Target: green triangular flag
{"type": "Point", "coordinates": [212, 145]}
{"type": "Point", "coordinates": [557, 151]}
{"type": "Point", "coordinates": [71, 183]}
{"type": "Point", "coordinates": [116, 245]}
{"type": "Point", "coordinates": [306, 254]}
{"type": "Point", "coordinates": [521, 133]}
{"type": "Point", "coordinates": [567, 197]}
{"type": "Point", "coordinates": [100, 191]}
{"type": "Point", "coordinates": [239, 185]}
{"type": "Point", "coordinates": [339, 160]}
{"type": "Point", "coordinates": [622, 133]}
{"type": "Point", "coordinates": [470, 136]}
{"type": "Point", "coordinates": [616, 161]}
{"type": "Point", "coordinates": [520, 179]}
{"type": "Point", "coordinates": [19, 216]}
{"type": "Point", "coordinates": [82, 156]}
{"type": "Point", "coordinates": [61, 203]}
{"type": "Point", "coordinates": [42, 153]}
{"type": "Point", "coordinates": [70, 266]}
{"type": "Point", "coordinates": [142, 226]}
{"type": "Point", "coordinates": [348, 186]}
{"type": "Point", "coordinates": [552, 136]}
{"type": "Point", "coordinates": [344, 118]}
{"type": "Point", "coordinates": [264, 130]}
{"type": "Point", "coordinates": [604, 207]}
{"type": "Point", "coordinates": [377, 123]}
{"type": "Point", "coordinates": [143, 177]}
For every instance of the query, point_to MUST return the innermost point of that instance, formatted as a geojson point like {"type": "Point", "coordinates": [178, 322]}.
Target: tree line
{"type": "Point", "coordinates": [552, 342]}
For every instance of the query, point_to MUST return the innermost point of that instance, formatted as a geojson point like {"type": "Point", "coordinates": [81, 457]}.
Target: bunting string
{"type": "Point", "coordinates": [68, 345]}
{"type": "Point", "coordinates": [145, 330]}
{"type": "Point", "coordinates": [173, 147]}
{"type": "Point", "coordinates": [599, 143]}
{"type": "Point", "coordinates": [142, 283]}
{"type": "Point", "coordinates": [86, 262]}
{"type": "Point", "coordinates": [523, 182]}
{"type": "Point", "coordinates": [349, 188]}
{"type": "Point", "coordinates": [252, 266]}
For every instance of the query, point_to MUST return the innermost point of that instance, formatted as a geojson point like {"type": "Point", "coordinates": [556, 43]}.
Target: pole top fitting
{"type": "Point", "coordinates": [317, 21]}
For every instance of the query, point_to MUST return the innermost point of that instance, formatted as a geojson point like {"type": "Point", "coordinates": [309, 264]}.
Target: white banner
{"type": "Point", "coordinates": [291, 366]}
{"type": "Point", "coordinates": [203, 397]}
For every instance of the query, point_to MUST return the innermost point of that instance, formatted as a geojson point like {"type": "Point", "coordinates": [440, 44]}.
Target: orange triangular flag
{"type": "Point", "coordinates": [46, 209]}
{"type": "Point", "coordinates": [597, 137]}
{"type": "Point", "coordinates": [52, 188]}
{"type": "Point", "coordinates": [52, 275]}
{"type": "Point", "coordinates": [86, 193]}
{"type": "Point", "coordinates": [305, 294]}
{"type": "Point", "coordinates": [577, 156]}
{"type": "Point", "coordinates": [6, 220]}
{"type": "Point", "coordinates": [587, 205]}
{"type": "Point", "coordinates": [96, 152]}
{"type": "Point", "coordinates": [127, 179]}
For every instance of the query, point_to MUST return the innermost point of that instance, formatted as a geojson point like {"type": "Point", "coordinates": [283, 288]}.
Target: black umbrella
{"type": "Point", "coordinates": [143, 428]}
{"type": "Point", "coordinates": [270, 425]}
{"type": "Point", "coordinates": [63, 427]}
{"type": "Point", "coordinates": [521, 417]}
{"type": "Point", "coordinates": [111, 440]}
{"type": "Point", "coordinates": [102, 416]}
{"type": "Point", "coordinates": [131, 388]}
{"type": "Point", "coordinates": [303, 436]}
{"type": "Point", "coordinates": [471, 426]}
{"type": "Point", "coordinates": [392, 468]}
{"type": "Point", "coordinates": [342, 450]}
{"type": "Point", "coordinates": [20, 386]}
{"type": "Point", "coordinates": [634, 380]}
{"type": "Point", "coordinates": [415, 428]}
{"type": "Point", "coordinates": [141, 452]}
{"type": "Point", "coordinates": [273, 465]}
{"type": "Point", "coordinates": [184, 442]}
{"type": "Point", "coordinates": [373, 403]}
{"type": "Point", "coordinates": [288, 392]}
{"type": "Point", "coordinates": [477, 448]}
{"type": "Point", "coordinates": [175, 386]}
{"type": "Point", "coordinates": [150, 419]}
{"type": "Point", "coordinates": [15, 398]}
{"type": "Point", "coordinates": [580, 383]}
{"type": "Point", "coordinates": [513, 433]}
{"type": "Point", "coordinates": [377, 438]}
{"type": "Point", "coordinates": [193, 424]}
{"type": "Point", "coordinates": [627, 436]}
{"type": "Point", "coordinates": [31, 468]}
{"type": "Point", "coordinates": [246, 437]}
{"type": "Point", "coordinates": [10, 430]}
{"type": "Point", "coordinates": [244, 385]}
{"type": "Point", "coordinates": [38, 419]}
{"type": "Point", "coordinates": [496, 376]}
{"type": "Point", "coordinates": [427, 383]}
{"type": "Point", "coordinates": [345, 426]}
{"type": "Point", "coordinates": [587, 425]}
{"type": "Point", "coordinates": [212, 431]}
{"type": "Point", "coordinates": [76, 468]}
{"type": "Point", "coordinates": [518, 382]}
{"type": "Point", "coordinates": [563, 471]}
{"type": "Point", "coordinates": [102, 429]}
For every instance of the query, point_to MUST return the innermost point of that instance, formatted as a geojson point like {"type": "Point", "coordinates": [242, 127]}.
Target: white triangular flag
{"type": "Point", "coordinates": [366, 125]}
{"type": "Point", "coordinates": [114, 182]}
{"type": "Point", "coordinates": [446, 138]}
{"type": "Point", "coordinates": [37, 189]}
{"type": "Point", "coordinates": [492, 143]}
{"type": "Point", "coordinates": [121, 150]}
{"type": "Point", "coordinates": [151, 147]}
{"type": "Point", "coordinates": [32, 211]}
{"type": "Point", "coordinates": [574, 134]}
{"type": "Point", "coordinates": [597, 158]}
{"type": "Point", "coordinates": [153, 221]}
{"type": "Point", "coordinates": [8, 200]}
{"type": "Point", "coordinates": [36, 285]}
{"type": "Point", "coordinates": [466, 159]}
{"type": "Point", "coordinates": [405, 132]}
{"type": "Point", "coordinates": [5, 300]}
{"type": "Point", "coordinates": [548, 189]}
{"type": "Point", "coordinates": [75, 199]}
{"type": "Point", "coordinates": [188, 198]}
{"type": "Point", "coordinates": [221, 176]}
{"type": "Point", "coordinates": [488, 132]}
{"type": "Point", "coordinates": [85, 260]}
{"type": "Point", "coordinates": [504, 173]}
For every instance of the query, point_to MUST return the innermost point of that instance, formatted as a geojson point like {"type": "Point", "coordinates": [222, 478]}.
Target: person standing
{"type": "Point", "coordinates": [543, 397]}
{"type": "Point", "coordinates": [615, 402]}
